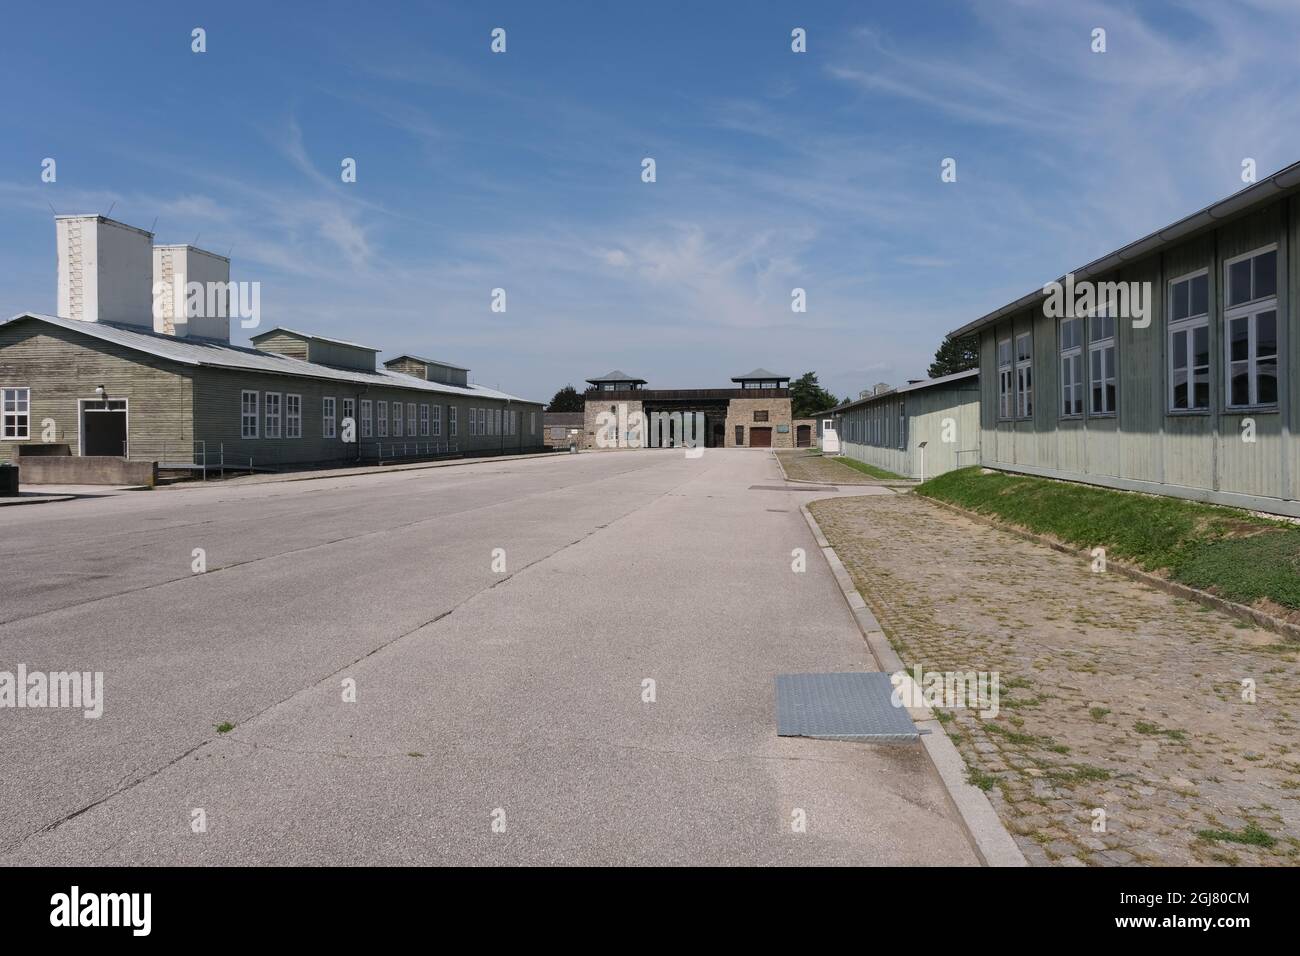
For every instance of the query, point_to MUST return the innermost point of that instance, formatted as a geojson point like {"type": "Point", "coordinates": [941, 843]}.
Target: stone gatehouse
{"type": "Point", "coordinates": [621, 412]}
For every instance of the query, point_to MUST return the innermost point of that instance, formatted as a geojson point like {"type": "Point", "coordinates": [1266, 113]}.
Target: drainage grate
{"type": "Point", "coordinates": [846, 706]}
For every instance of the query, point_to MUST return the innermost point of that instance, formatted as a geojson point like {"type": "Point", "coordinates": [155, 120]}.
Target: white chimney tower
{"type": "Point", "coordinates": [105, 271]}
{"type": "Point", "coordinates": [175, 267]}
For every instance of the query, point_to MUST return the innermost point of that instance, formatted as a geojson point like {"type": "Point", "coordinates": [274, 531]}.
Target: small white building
{"type": "Point", "coordinates": [918, 430]}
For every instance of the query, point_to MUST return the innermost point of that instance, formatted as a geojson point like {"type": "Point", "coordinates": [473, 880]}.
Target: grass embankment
{"type": "Point", "coordinates": [1231, 553]}
{"type": "Point", "coordinates": [866, 469]}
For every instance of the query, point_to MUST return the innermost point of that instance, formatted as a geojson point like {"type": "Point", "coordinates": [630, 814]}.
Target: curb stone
{"type": "Point", "coordinates": [16, 500]}
{"type": "Point", "coordinates": [869, 483]}
{"type": "Point", "coordinates": [989, 838]}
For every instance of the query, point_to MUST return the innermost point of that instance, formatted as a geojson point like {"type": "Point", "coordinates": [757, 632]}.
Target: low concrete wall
{"type": "Point", "coordinates": [31, 449]}
{"type": "Point", "coordinates": [87, 470]}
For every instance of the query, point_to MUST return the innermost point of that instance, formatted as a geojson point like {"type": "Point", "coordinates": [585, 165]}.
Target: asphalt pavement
{"type": "Point", "coordinates": [566, 660]}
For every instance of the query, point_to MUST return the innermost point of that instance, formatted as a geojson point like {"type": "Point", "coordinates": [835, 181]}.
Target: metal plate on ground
{"type": "Point", "coordinates": [847, 706]}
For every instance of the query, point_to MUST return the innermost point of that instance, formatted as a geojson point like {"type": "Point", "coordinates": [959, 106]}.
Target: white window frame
{"type": "Point", "coordinates": [381, 419]}
{"type": "Point", "coordinates": [451, 421]}
{"type": "Point", "coordinates": [328, 417]}
{"type": "Point", "coordinates": [483, 421]}
{"type": "Point", "coordinates": [16, 413]}
{"type": "Point", "coordinates": [249, 414]}
{"type": "Point", "coordinates": [532, 423]}
{"type": "Point", "coordinates": [1105, 345]}
{"type": "Point", "coordinates": [437, 421]}
{"type": "Point", "coordinates": [1006, 394]}
{"type": "Point", "coordinates": [1072, 386]}
{"type": "Point", "coordinates": [473, 421]}
{"type": "Point", "coordinates": [349, 410]}
{"type": "Point", "coordinates": [1024, 377]}
{"type": "Point", "coordinates": [424, 420]}
{"type": "Point", "coordinates": [1249, 312]}
{"type": "Point", "coordinates": [1253, 359]}
{"type": "Point", "coordinates": [367, 418]}
{"type": "Point", "coordinates": [292, 416]}
{"type": "Point", "coordinates": [1188, 326]}
{"type": "Point", "coordinates": [399, 425]}
{"type": "Point", "coordinates": [411, 423]}
{"type": "Point", "coordinates": [1227, 280]}
{"type": "Point", "coordinates": [271, 418]}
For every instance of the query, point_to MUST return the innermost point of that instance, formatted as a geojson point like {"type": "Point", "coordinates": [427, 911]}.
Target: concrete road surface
{"type": "Point", "coordinates": [498, 715]}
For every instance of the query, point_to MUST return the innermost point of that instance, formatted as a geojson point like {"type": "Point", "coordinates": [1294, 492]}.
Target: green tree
{"type": "Point", "coordinates": [566, 399]}
{"type": "Point", "coordinates": [956, 355]}
{"type": "Point", "coordinates": [807, 398]}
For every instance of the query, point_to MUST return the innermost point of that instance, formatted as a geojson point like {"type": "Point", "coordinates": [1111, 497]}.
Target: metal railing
{"type": "Point", "coordinates": [172, 455]}
{"type": "Point", "coordinates": [390, 450]}
{"type": "Point", "coordinates": [203, 458]}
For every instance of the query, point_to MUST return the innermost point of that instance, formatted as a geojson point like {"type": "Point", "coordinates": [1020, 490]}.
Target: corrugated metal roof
{"type": "Point", "coordinates": [567, 419]}
{"type": "Point", "coordinates": [1252, 196]}
{"type": "Point", "coordinates": [617, 376]}
{"type": "Point", "coordinates": [311, 335]}
{"type": "Point", "coordinates": [216, 354]}
{"type": "Point", "coordinates": [426, 361]}
{"type": "Point", "coordinates": [914, 387]}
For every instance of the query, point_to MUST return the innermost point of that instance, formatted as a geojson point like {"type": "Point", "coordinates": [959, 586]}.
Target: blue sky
{"type": "Point", "coordinates": [522, 170]}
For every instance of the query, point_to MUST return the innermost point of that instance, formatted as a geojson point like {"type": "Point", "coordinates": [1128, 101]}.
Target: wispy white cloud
{"type": "Point", "coordinates": [825, 180]}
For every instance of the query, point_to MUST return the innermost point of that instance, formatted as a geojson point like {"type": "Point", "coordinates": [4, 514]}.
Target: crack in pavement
{"type": "Point", "coordinates": [568, 743]}
{"type": "Point", "coordinates": [123, 788]}
{"type": "Point", "coordinates": [305, 548]}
